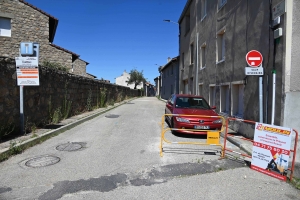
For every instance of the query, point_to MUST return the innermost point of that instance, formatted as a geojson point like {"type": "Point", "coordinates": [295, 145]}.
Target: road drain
{"type": "Point", "coordinates": [42, 161]}
{"type": "Point", "coordinates": [70, 146]}
{"type": "Point", "coordinates": [112, 116]}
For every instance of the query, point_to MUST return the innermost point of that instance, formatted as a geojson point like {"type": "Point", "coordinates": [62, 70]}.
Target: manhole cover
{"type": "Point", "coordinates": [70, 146]}
{"type": "Point", "coordinates": [42, 161]}
{"type": "Point", "coordinates": [112, 116]}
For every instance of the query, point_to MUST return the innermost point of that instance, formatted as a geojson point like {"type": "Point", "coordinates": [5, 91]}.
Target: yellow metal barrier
{"type": "Point", "coordinates": [213, 137]}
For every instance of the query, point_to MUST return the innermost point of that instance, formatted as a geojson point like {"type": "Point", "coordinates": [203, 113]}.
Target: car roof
{"type": "Point", "coordinates": [187, 95]}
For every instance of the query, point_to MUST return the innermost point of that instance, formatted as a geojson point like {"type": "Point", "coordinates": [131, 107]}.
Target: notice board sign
{"type": "Point", "coordinates": [271, 150]}
{"type": "Point", "coordinates": [27, 71]}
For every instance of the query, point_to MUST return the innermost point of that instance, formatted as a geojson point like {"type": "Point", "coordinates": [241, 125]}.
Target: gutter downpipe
{"type": "Point", "coordinates": [197, 67]}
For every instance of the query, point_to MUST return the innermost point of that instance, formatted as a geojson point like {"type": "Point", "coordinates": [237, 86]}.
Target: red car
{"type": "Point", "coordinates": [184, 104]}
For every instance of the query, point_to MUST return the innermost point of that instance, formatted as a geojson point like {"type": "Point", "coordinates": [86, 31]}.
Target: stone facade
{"type": "Point", "coordinates": [30, 24]}
{"type": "Point", "coordinates": [27, 24]}
{"type": "Point", "coordinates": [79, 68]}
{"type": "Point", "coordinates": [55, 87]}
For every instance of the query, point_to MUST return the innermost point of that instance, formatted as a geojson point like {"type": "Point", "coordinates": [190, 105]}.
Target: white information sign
{"type": "Point", "coordinates": [278, 10]}
{"type": "Point", "coordinates": [27, 71]}
{"type": "Point", "coordinates": [258, 71]}
{"type": "Point", "coordinates": [271, 150]}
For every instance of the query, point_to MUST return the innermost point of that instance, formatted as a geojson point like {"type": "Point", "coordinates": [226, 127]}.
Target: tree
{"type": "Point", "coordinates": [135, 78]}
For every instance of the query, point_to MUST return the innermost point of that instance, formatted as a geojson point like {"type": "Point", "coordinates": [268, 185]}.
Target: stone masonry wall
{"type": "Point", "coordinates": [58, 56]}
{"type": "Point", "coordinates": [79, 67]}
{"type": "Point", "coordinates": [56, 88]}
{"type": "Point", "coordinates": [29, 25]}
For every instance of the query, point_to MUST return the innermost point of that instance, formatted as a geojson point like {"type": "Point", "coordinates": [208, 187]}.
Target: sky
{"type": "Point", "coordinates": [117, 35]}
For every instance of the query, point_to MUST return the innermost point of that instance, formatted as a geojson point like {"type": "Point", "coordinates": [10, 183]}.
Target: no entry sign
{"type": "Point", "coordinates": [254, 58]}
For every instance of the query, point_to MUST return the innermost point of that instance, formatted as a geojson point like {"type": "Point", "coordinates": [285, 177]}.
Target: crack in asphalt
{"type": "Point", "coordinates": [147, 178]}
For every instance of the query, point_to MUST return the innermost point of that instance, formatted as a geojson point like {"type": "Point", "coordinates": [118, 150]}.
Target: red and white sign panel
{"type": "Point", "coordinates": [27, 71]}
{"type": "Point", "coordinates": [271, 150]}
{"type": "Point", "coordinates": [254, 58]}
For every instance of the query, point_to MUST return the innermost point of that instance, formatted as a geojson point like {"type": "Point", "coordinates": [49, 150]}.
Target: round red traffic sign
{"type": "Point", "coordinates": [254, 58]}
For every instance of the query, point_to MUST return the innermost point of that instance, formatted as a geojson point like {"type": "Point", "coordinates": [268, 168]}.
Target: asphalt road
{"type": "Point", "coordinates": [116, 156]}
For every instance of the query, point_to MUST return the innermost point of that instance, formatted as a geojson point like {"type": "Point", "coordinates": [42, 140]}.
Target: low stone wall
{"type": "Point", "coordinates": [59, 93]}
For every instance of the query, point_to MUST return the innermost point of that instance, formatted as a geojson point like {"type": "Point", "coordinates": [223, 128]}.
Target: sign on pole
{"type": "Point", "coordinates": [254, 60]}
{"type": "Point", "coordinates": [27, 71]}
{"type": "Point", "coordinates": [271, 150]}
{"type": "Point", "coordinates": [278, 9]}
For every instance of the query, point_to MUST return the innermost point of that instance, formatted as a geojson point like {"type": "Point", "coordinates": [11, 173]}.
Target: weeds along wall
{"type": "Point", "coordinates": [60, 95]}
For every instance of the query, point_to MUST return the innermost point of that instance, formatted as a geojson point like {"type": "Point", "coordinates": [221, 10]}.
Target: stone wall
{"type": "Point", "coordinates": [57, 55]}
{"type": "Point", "coordinates": [79, 67]}
{"type": "Point", "coordinates": [27, 24]}
{"type": "Point", "coordinates": [56, 88]}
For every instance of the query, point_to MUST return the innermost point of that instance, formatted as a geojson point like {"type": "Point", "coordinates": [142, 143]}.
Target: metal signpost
{"type": "Point", "coordinates": [27, 69]}
{"type": "Point", "coordinates": [254, 60]}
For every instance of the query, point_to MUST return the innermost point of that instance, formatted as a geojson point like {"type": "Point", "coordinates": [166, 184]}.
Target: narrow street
{"type": "Point", "coordinates": [116, 156]}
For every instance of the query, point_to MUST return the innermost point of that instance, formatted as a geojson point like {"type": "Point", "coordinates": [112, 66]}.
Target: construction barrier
{"type": "Point", "coordinates": [291, 169]}
{"type": "Point", "coordinates": [213, 136]}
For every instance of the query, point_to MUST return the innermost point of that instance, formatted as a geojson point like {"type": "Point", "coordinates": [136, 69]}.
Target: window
{"type": "Point", "coordinates": [187, 22]}
{"type": "Point", "coordinates": [172, 92]}
{"type": "Point", "coordinates": [191, 86]}
{"type": "Point", "coordinates": [237, 103]}
{"type": "Point", "coordinates": [185, 84]}
{"type": "Point", "coordinates": [224, 99]}
{"type": "Point", "coordinates": [172, 70]}
{"type": "Point", "coordinates": [212, 94]}
{"type": "Point", "coordinates": [203, 56]}
{"type": "Point", "coordinates": [221, 46]}
{"type": "Point", "coordinates": [221, 3]}
{"type": "Point", "coordinates": [192, 53]}
{"type": "Point", "coordinates": [203, 9]}
{"type": "Point", "coordinates": [5, 27]}
{"type": "Point", "coordinates": [200, 90]}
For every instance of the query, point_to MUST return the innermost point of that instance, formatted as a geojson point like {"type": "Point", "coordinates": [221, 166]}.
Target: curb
{"type": "Point", "coordinates": [18, 148]}
{"type": "Point", "coordinates": [238, 144]}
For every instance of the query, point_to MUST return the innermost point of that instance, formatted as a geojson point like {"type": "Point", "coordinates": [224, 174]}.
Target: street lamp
{"type": "Point", "coordinates": [167, 20]}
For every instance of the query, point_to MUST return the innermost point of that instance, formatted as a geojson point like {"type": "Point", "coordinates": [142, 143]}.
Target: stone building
{"type": "Point", "coordinates": [215, 36]}
{"type": "Point", "coordinates": [23, 22]}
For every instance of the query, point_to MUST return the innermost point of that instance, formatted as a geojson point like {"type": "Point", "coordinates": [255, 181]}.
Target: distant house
{"type": "Point", "coordinates": [121, 80]}
{"type": "Point", "coordinates": [150, 89]}
{"type": "Point", "coordinates": [23, 22]}
{"type": "Point", "coordinates": [169, 78]}
{"type": "Point", "coordinates": [157, 82]}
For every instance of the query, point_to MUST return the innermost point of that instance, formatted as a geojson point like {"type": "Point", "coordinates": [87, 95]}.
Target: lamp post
{"type": "Point", "coordinates": [170, 21]}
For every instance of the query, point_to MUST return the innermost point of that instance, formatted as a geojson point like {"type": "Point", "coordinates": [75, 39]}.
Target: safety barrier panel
{"type": "Point", "coordinates": [253, 142]}
{"type": "Point", "coordinates": [211, 134]}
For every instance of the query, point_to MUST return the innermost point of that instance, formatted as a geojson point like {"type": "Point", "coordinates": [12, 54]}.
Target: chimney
{"type": "Point", "coordinates": [169, 59]}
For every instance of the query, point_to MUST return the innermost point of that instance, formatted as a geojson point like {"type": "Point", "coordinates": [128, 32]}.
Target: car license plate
{"type": "Point", "coordinates": [201, 127]}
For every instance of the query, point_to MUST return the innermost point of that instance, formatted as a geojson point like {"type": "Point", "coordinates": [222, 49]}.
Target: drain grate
{"type": "Point", "coordinates": [112, 116]}
{"type": "Point", "coordinates": [70, 146]}
{"type": "Point", "coordinates": [42, 161]}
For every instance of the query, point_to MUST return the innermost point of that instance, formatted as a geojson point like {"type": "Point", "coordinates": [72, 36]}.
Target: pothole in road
{"type": "Point", "coordinates": [70, 146]}
{"type": "Point", "coordinates": [112, 116]}
{"type": "Point", "coordinates": [42, 161]}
